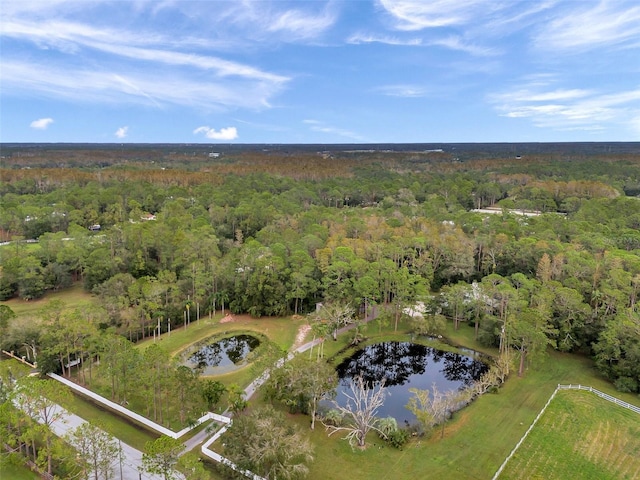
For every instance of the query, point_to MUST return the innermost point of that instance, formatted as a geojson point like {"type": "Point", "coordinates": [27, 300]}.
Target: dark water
{"type": "Point", "coordinates": [221, 356]}
{"type": "Point", "coordinates": [407, 365]}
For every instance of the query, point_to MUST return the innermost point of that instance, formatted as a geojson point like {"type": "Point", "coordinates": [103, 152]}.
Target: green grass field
{"type": "Point", "coordinates": [72, 297]}
{"type": "Point", "coordinates": [580, 436]}
{"type": "Point", "coordinates": [16, 472]}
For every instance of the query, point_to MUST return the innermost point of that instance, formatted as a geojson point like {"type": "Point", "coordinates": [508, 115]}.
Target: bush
{"type": "Point", "coordinates": [398, 438]}
{"type": "Point", "coordinates": [626, 384]}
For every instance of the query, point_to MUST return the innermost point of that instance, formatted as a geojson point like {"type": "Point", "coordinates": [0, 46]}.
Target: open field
{"type": "Point", "coordinates": [280, 330]}
{"type": "Point", "coordinates": [73, 297]}
{"type": "Point", "coordinates": [580, 436]}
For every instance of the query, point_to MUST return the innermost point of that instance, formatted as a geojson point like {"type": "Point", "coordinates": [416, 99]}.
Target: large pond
{"type": "Point", "coordinates": [221, 356]}
{"type": "Point", "coordinates": [407, 365]}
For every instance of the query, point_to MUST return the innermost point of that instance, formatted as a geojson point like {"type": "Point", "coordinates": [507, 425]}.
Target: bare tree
{"type": "Point", "coordinates": [360, 411]}
{"type": "Point", "coordinates": [334, 315]}
{"type": "Point", "coordinates": [435, 407]}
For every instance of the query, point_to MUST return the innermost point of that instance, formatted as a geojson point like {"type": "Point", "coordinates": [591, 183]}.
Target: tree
{"type": "Point", "coordinates": [433, 408]}
{"type": "Point", "coordinates": [529, 334]}
{"type": "Point", "coordinates": [161, 456]}
{"type": "Point", "coordinates": [263, 442]}
{"type": "Point", "coordinates": [191, 465]}
{"type": "Point", "coordinates": [6, 314]}
{"type": "Point", "coordinates": [39, 399]}
{"type": "Point", "coordinates": [303, 382]}
{"type": "Point", "coordinates": [617, 352]}
{"type": "Point", "coordinates": [363, 402]}
{"type": "Point", "coordinates": [237, 402]}
{"type": "Point", "coordinates": [335, 315]}
{"type": "Point", "coordinates": [212, 391]}
{"type": "Point", "coordinates": [186, 382]}
{"type": "Point", "coordinates": [97, 448]}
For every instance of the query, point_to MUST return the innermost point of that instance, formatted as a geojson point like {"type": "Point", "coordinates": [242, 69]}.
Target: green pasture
{"type": "Point", "coordinates": [73, 297]}
{"type": "Point", "coordinates": [11, 471]}
{"type": "Point", "coordinates": [580, 435]}
{"type": "Point", "coordinates": [120, 427]}
{"type": "Point", "coordinates": [280, 330]}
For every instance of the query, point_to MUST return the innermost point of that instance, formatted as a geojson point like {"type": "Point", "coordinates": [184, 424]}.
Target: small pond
{"type": "Point", "coordinates": [220, 356]}
{"type": "Point", "coordinates": [407, 365]}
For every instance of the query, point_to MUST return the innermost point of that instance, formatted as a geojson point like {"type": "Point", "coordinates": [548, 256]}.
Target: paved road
{"type": "Point", "coordinates": [131, 466]}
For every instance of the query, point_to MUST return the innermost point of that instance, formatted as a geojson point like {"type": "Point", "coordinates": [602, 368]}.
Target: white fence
{"type": "Point", "coordinates": [608, 397]}
{"type": "Point", "coordinates": [163, 430]}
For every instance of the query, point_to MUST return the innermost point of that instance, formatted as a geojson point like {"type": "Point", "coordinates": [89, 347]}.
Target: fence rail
{"type": "Point", "coordinates": [606, 396]}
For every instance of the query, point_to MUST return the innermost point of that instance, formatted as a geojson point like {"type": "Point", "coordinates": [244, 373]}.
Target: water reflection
{"type": "Point", "coordinates": [407, 365]}
{"type": "Point", "coordinates": [221, 356]}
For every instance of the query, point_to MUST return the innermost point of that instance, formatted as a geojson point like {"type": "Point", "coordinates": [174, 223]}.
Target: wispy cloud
{"type": "Point", "coordinates": [586, 26]}
{"type": "Point", "coordinates": [322, 127]}
{"type": "Point", "coordinates": [569, 109]}
{"type": "Point", "coordinates": [406, 91]}
{"type": "Point", "coordinates": [417, 15]}
{"type": "Point", "coordinates": [71, 37]}
{"type": "Point", "coordinates": [455, 42]}
{"type": "Point", "coordinates": [302, 24]}
{"type": "Point", "coordinates": [41, 123]}
{"type": "Point", "coordinates": [476, 23]}
{"type": "Point", "coordinates": [124, 65]}
{"type": "Point", "coordinates": [360, 38]}
{"type": "Point", "coordinates": [275, 21]}
{"type": "Point", "coordinates": [148, 87]}
{"type": "Point", "coordinates": [122, 132]}
{"type": "Point", "coordinates": [228, 133]}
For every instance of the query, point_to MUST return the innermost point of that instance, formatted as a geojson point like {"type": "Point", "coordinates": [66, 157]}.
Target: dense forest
{"type": "Point", "coordinates": [152, 231]}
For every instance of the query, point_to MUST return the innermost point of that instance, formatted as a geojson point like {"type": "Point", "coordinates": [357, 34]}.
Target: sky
{"type": "Point", "coordinates": [379, 71]}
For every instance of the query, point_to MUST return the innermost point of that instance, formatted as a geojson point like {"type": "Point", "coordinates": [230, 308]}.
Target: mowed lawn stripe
{"type": "Point", "coordinates": [580, 436]}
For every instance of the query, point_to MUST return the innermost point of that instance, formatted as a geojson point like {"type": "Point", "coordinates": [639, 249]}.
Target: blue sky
{"type": "Point", "coordinates": [319, 71]}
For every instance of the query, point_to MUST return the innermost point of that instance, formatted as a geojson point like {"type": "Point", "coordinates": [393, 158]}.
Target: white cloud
{"type": "Point", "coordinates": [407, 91]}
{"type": "Point", "coordinates": [586, 25]}
{"type": "Point", "coordinates": [71, 37]}
{"type": "Point", "coordinates": [41, 123]}
{"type": "Point", "coordinates": [416, 15]}
{"type": "Point", "coordinates": [228, 133]}
{"type": "Point", "coordinates": [455, 42]}
{"type": "Point", "coordinates": [136, 66]}
{"type": "Point", "coordinates": [569, 109]}
{"type": "Point", "coordinates": [122, 132]}
{"type": "Point", "coordinates": [318, 126]}
{"type": "Point", "coordinates": [359, 38]}
{"type": "Point", "coordinates": [301, 24]}
{"type": "Point", "coordinates": [268, 21]}
{"type": "Point", "coordinates": [148, 87]}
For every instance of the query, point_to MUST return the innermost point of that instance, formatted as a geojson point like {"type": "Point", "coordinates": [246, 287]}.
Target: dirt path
{"type": "Point", "coordinates": [300, 336]}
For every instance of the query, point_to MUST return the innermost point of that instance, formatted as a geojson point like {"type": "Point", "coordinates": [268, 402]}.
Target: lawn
{"type": "Point", "coordinates": [280, 330]}
{"type": "Point", "coordinates": [16, 472]}
{"type": "Point", "coordinates": [120, 427]}
{"type": "Point", "coordinates": [580, 436]}
{"type": "Point", "coordinates": [72, 297]}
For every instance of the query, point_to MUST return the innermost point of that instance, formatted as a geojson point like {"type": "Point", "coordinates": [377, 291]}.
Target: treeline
{"type": "Point", "coordinates": [388, 233]}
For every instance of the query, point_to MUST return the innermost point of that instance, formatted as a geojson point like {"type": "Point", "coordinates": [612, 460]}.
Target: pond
{"type": "Point", "coordinates": [407, 365]}
{"type": "Point", "coordinates": [221, 356]}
